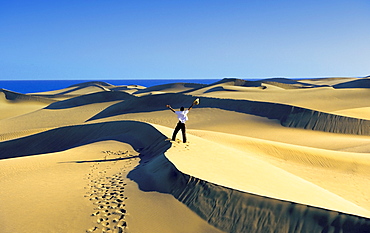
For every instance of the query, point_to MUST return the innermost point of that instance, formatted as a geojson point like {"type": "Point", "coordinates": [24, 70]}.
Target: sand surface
{"type": "Point", "coordinates": [275, 155]}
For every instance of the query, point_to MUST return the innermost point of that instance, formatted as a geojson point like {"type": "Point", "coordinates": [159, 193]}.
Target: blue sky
{"type": "Point", "coordinates": [183, 39]}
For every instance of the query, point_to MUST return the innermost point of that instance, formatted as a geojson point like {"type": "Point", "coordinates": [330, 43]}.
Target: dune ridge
{"type": "Point", "coordinates": [98, 97]}
{"type": "Point", "coordinates": [15, 104]}
{"type": "Point", "coordinates": [73, 136]}
{"type": "Point", "coordinates": [14, 96]}
{"type": "Point", "coordinates": [358, 83]}
{"type": "Point", "coordinates": [235, 211]}
{"type": "Point", "coordinates": [260, 214]}
{"type": "Point", "coordinates": [289, 116]}
{"type": "Point", "coordinates": [225, 208]}
{"type": "Point", "coordinates": [168, 88]}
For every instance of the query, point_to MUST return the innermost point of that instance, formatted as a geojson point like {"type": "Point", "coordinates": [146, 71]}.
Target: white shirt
{"type": "Point", "coordinates": [182, 115]}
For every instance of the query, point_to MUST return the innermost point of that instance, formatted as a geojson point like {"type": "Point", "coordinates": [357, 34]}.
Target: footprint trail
{"type": "Point", "coordinates": [107, 194]}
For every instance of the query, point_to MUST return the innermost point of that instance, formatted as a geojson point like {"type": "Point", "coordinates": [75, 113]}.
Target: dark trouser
{"type": "Point", "coordinates": [178, 127]}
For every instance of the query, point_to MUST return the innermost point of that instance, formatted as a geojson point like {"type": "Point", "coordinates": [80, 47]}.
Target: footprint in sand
{"type": "Point", "coordinates": [107, 195]}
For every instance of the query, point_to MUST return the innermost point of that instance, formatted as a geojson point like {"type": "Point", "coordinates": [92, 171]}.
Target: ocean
{"type": "Point", "coordinates": [32, 86]}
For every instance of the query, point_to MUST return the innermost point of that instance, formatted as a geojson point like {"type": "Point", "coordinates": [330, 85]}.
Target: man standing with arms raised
{"type": "Point", "coordinates": [182, 115]}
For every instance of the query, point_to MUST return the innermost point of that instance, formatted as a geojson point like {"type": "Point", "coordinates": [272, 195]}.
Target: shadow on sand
{"type": "Point", "coordinates": [287, 115]}
{"type": "Point", "coordinates": [235, 211]}
{"type": "Point", "coordinates": [103, 160]}
{"type": "Point", "coordinates": [132, 132]}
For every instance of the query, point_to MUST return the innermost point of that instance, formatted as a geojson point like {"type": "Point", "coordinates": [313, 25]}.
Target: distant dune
{"type": "Point", "coordinates": [98, 97]}
{"type": "Point", "coordinates": [273, 155]}
{"type": "Point", "coordinates": [14, 96]}
{"type": "Point", "coordinates": [358, 83]}
{"type": "Point", "coordinates": [171, 88]}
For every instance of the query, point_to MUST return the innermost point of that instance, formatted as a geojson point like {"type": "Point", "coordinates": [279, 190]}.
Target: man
{"type": "Point", "coordinates": [182, 115]}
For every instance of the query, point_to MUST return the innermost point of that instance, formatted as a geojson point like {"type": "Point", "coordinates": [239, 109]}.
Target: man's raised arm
{"type": "Point", "coordinates": [168, 106]}
{"type": "Point", "coordinates": [191, 106]}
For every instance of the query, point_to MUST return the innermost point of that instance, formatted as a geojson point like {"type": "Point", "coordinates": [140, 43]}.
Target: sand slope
{"type": "Point", "coordinates": [275, 155]}
{"type": "Point", "coordinates": [14, 104]}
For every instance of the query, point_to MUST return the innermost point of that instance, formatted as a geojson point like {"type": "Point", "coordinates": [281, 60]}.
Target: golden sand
{"type": "Point", "coordinates": [274, 155]}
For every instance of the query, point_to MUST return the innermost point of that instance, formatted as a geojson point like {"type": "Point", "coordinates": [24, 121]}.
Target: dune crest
{"type": "Point", "coordinates": [14, 96]}
{"type": "Point", "coordinates": [289, 116]}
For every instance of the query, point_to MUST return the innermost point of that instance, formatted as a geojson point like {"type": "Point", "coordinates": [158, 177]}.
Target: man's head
{"type": "Point", "coordinates": [182, 109]}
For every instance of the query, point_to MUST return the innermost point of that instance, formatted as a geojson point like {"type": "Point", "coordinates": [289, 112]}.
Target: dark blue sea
{"type": "Point", "coordinates": [32, 86]}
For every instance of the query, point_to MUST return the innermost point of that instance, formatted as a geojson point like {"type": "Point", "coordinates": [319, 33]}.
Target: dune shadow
{"type": "Point", "coordinates": [187, 87]}
{"type": "Point", "coordinates": [98, 97]}
{"type": "Point", "coordinates": [67, 91]}
{"type": "Point", "coordinates": [13, 96]}
{"type": "Point", "coordinates": [287, 115]}
{"type": "Point", "coordinates": [217, 89]}
{"type": "Point", "coordinates": [68, 137]}
{"type": "Point", "coordinates": [231, 210]}
{"type": "Point", "coordinates": [284, 83]}
{"type": "Point", "coordinates": [360, 83]}
{"type": "Point", "coordinates": [103, 160]}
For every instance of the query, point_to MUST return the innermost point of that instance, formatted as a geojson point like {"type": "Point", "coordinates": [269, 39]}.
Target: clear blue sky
{"type": "Point", "coordinates": [179, 39]}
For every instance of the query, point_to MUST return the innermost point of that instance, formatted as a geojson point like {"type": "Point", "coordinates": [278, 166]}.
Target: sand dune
{"type": "Point", "coordinates": [14, 104]}
{"type": "Point", "coordinates": [329, 81]}
{"type": "Point", "coordinates": [14, 96]}
{"type": "Point", "coordinates": [128, 88]}
{"type": "Point", "coordinates": [358, 83]}
{"type": "Point", "coordinates": [93, 98]}
{"type": "Point", "coordinates": [288, 115]}
{"type": "Point", "coordinates": [170, 88]}
{"type": "Point", "coordinates": [322, 96]}
{"type": "Point", "coordinates": [274, 155]}
{"type": "Point", "coordinates": [75, 90]}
